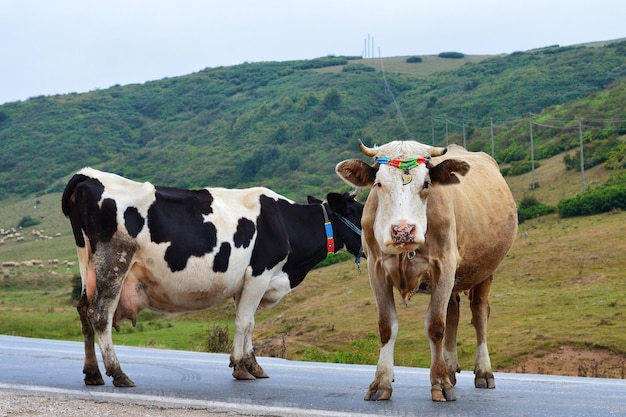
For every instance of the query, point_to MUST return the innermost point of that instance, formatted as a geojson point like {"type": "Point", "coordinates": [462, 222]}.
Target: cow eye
{"type": "Point", "coordinates": [427, 184]}
{"type": "Point", "coordinates": [378, 184]}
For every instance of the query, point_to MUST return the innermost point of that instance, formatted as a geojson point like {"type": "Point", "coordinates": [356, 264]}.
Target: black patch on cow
{"type": "Point", "coordinates": [80, 203]}
{"type": "Point", "coordinates": [305, 229]}
{"type": "Point", "coordinates": [220, 263]}
{"type": "Point", "coordinates": [71, 208]}
{"type": "Point", "coordinates": [272, 242]}
{"type": "Point", "coordinates": [245, 232]}
{"type": "Point", "coordinates": [176, 216]}
{"type": "Point", "coordinates": [102, 227]}
{"type": "Point", "coordinates": [134, 221]}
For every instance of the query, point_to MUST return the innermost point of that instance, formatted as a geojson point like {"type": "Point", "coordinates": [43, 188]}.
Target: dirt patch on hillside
{"type": "Point", "coordinates": [597, 363]}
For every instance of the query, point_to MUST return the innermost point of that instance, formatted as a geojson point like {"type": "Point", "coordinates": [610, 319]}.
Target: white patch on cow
{"type": "Point", "coordinates": [483, 362]}
{"type": "Point", "coordinates": [400, 204]}
{"type": "Point", "coordinates": [125, 192]}
{"type": "Point", "coordinates": [385, 357]}
{"type": "Point", "coordinates": [278, 287]}
{"type": "Point", "coordinates": [451, 359]}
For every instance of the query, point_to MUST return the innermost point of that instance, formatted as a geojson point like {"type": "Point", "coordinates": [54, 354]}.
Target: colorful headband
{"type": "Point", "coordinates": [405, 165]}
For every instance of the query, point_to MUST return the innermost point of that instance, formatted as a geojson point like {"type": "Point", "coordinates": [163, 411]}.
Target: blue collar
{"type": "Point", "coordinates": [330, 241]}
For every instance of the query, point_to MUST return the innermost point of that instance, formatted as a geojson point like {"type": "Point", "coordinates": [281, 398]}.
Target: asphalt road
{"type": "Point", "coordinates": [204, 381]}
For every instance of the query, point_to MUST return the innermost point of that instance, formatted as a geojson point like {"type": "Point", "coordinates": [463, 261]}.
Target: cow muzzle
{"type": "Point", "coordinates": [403, 234]}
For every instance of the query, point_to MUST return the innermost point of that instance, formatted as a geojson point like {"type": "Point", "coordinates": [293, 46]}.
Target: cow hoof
{"type": "Point", "coordinates": [120, 379]}
{"type": "Point", "coordinates": [123, 381]}
{"type": "Point", "coordinates": [253, 366]}
{"type": "Point", "coordinates": [375, 393]}
{"type": "Point", "coordinates": [93, 378]}
{"type": "Point", "coordinates": [259, 373]}
{"type": "Point", "coordinates": [382, 395]}
{"type": "Point", "coordinates": [94, 381]}
{"type": "Point", "coordinates": [243, 375]}
{"type": "Point", "coordinates": [441, 395]}
{"type": "Point", "coordinates": [484, 380]}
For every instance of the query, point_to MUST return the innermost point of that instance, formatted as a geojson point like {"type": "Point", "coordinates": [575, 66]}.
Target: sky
{"type": "Point", "coordinates": [50, 47]}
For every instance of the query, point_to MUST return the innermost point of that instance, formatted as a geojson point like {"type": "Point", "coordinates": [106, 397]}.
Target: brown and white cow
{"type": "Point", "coordinates": [441, 227]}
{"type": "Point", "coordinates": [144, 246]}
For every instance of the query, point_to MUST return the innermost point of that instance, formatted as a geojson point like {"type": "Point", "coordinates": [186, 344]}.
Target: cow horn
{"type": "Point", "coordinates": [437, 151]}
{"type": "Point", "coordinates": [366, 151]}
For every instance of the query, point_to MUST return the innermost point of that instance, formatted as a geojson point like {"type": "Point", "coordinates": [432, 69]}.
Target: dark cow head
{"type": "Point", "coordinates": [345, 214]}
{"type": "Point", "coordinates": [400, 179]}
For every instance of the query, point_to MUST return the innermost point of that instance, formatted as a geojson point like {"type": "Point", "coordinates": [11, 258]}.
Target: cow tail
{"type": "Point", "coordinates": [69, 209]}
{"type": "Point", "coordinates": [66, 200]}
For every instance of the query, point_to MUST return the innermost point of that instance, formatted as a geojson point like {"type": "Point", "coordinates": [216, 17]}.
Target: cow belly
{"type": "Point", "coordinates": [189, 290]}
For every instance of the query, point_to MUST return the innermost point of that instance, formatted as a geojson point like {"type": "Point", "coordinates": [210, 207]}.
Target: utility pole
{"type": "Point", "coordinates": [464, 139]}
{"type": "Point", "coordinates": [582, 157]}
{"type": "Point", "coordinates": [492, 145]}
{"type": "Point", "coordinates": [532, 155]}
{"type": "Point", "coordinates": [432, 130]}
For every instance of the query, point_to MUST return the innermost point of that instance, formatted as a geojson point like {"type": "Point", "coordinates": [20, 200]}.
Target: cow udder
{"type": "Point", "coordinates": [132, 301]}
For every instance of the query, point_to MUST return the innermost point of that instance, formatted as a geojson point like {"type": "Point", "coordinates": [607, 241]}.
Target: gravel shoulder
{"type": "Point", "coordinates": [15, 403]}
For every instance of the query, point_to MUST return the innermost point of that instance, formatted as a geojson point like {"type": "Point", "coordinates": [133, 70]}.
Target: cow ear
{"type": "Point", "coordinates": [356, 172]}
{"type": "Point", "coordinates": [337, 202]}
{"type": "Point", "coordinates": [312, 200]}
{"type": "Point", "coordinates": [445, 173]}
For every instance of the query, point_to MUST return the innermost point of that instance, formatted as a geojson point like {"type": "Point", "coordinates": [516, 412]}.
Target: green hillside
{"type": "Point", "coordinates": [286, 124]}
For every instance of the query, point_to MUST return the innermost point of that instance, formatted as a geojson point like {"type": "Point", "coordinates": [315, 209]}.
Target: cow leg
{"type": "Point", "coordinates": [242, 358]}
{"type": "Point", "coordinates": [380, 388]}
{"type": "Point", "coordinates": [435, 327]}
{"type": "Point", "coordinates": [479, 303]}
{"type": "Point", "coordinates": [452, 325]}
{"type": "Point", "coordinates": [90, 368]}
{"type": "Point", "coordinates": [249, 358]}
{"type": "Point", "coordinates": [112, 262]}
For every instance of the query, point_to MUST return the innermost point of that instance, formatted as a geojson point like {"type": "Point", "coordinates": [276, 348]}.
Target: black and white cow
{"type": "Point", "coordinates": [168, 249]}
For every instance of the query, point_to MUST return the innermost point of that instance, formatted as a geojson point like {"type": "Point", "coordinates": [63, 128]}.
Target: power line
{"type": "Point", "coordinates": [398, 110]}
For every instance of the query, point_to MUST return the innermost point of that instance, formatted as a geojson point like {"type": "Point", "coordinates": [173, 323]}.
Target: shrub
{"type": "Point", "coordinates": [332, 99]}
{"type": "Point", "coordinates": [528, 201]}
{"type": "Point", "coordinates": [217, 341]}
{"type": "Point", "coordinates": [518, 168]}
{"type": "Point", "coordinates": [329, 61]}
{"type": "Point", "coordinates": [338, 257]}
{"type": "Point", "coordinates": [599, 150]}
{"type": "Point", "coordinates": [28, 221]}
{"type": "Point", "coordinates": [530, 207]}
{"type": "Point", "coordinates": [358, 68]}
{"type": "Point", "coordinates": [600, 200]}
{"type": "Point", "coordinates": [616, 158]}
{"type": "Point", "coordinates": [414, 59]}
{"type": "Point", "coordinates": [453, 55]}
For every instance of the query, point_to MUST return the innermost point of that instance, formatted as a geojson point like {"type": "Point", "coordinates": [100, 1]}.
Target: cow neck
{"type": "Point", "coordinates": [330, 240]}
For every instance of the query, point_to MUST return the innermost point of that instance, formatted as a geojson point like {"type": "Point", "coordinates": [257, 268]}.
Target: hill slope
{"type": "Point", "coordinates": [286, 124]}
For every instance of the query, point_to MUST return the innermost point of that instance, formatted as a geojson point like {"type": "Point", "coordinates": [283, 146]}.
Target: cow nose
{"type": "Point", "coordinates": [403, 233]}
